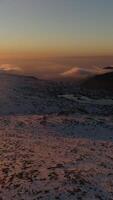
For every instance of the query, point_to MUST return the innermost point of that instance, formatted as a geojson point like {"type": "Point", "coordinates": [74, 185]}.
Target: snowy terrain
{"type": "Point", "coordinates": [52, 147]}
{"type": "Point", "coordinates": [86, 100]}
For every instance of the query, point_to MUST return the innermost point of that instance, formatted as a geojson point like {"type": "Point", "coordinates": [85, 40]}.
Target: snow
{"type": "Point", "coordinates": [40, 161]}
{"type": "Point", "coordinates": [84, 99]}
{"type": "Point", "coordinates": [53, 148]}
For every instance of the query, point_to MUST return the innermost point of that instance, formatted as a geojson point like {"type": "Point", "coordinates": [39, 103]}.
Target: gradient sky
{"type": "Point", "coordinates": [56, 27]}
{"type": "Point", "coordinates": [35, 29]}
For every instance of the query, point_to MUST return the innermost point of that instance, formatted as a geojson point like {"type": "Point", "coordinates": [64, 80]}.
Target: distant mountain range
{"type": "Point", "coordinates": [97, 82]}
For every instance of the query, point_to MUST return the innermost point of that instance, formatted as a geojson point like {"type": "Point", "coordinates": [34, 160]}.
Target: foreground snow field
{"type": "Point", "coordinates": [39, 162]}
{"type": "Point", "coordinates": [54, 147]}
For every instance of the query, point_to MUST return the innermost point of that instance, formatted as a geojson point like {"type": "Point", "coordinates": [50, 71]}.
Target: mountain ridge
{"type": "Point", "coordinates": [101, 81]}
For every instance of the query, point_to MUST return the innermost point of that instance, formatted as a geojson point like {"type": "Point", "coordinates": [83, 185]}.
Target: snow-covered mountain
{"type": "Point", "coordinates": [56, 141]}
{"type": "Point", "coordinates": [24, 95]}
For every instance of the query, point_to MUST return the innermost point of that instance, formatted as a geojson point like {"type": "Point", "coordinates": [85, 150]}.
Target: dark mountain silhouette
{"type": "Point", "coordinates": [108, 68]}
{"type": "Point", "coordinates": [103, 81]}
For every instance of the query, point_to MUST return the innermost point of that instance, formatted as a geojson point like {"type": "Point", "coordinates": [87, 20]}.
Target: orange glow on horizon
{"type": "Point", "coordinates": [30, 55]}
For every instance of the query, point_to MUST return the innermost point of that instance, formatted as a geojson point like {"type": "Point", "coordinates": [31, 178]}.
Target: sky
{"type": "Point", "coordinates": [38, 29]}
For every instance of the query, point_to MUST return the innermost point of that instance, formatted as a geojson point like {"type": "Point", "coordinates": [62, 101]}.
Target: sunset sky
{"type": "Point", "coordinates": [35, 29]}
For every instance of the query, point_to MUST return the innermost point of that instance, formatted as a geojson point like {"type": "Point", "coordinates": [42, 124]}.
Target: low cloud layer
{"type": "Point", "coordinates": [84, 72]}
{"type": "Point", "coordinates": [53, 70]}
{"type": "Point", "coordinates": [10, 68]}
{"type": "Point", "coordinates": [77, 73]}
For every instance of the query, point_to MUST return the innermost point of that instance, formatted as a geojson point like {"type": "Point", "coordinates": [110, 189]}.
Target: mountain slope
{"type": "Point", "coordinates": [103, 81]}
{"type": "Point", "coordinates": [24, 95]}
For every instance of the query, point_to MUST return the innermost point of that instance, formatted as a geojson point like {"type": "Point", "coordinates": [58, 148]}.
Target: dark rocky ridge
{"type": "Point", "coordinates": [100, 82]}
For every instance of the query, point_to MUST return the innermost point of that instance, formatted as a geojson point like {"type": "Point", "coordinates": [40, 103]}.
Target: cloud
{"type": "Point", "coordinates": [10, 68]}
{"type": "Point", "coordinates": [77, 73]}
{"type": "Point", "coordinates": [70, 72]}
